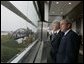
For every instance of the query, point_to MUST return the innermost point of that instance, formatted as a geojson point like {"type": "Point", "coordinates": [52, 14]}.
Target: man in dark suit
{"type": "Point", "coordinates": [69, 45]}
{"type": "Point", "coordinates": [55, 39]}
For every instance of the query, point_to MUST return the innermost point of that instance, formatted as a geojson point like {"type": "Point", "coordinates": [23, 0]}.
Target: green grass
{"type": "Point", "coordinates": [10, 47]}
{"type": "Point", "coordinates": [7, 53]}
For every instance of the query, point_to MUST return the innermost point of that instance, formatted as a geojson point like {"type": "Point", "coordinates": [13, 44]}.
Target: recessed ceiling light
{"type": "Point", "coordinates": [69, 2]}
{"type": "Point", "coordinates": [57, 2]}
{"type": "Point", "coordinates": [53, 12]}
{"type": "Point", "coordinates": [47, 1]}
{"type": "Point", "coordinates": [61, 12]}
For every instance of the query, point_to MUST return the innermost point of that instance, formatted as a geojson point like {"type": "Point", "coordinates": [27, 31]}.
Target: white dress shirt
{"type": "Point", "coordinates": [67, 31]}
{"type": "Point", "coordinates": [57, 31]}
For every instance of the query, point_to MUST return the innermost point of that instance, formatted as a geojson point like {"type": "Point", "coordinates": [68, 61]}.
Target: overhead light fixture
{"type": "Point", "coordinates": [47, 1]}
{"type": "Point", "coordinates": [53, 12]}
{"type": "Point", "coordinates": [61, 12]}
{"type": "Point", "coordinates": [57, 2]}
{"type": "Point", "coordinates": [69, 3]}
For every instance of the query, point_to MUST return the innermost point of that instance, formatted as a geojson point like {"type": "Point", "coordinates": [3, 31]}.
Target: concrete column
{"type": "Point", "coordinates": [46, 11]}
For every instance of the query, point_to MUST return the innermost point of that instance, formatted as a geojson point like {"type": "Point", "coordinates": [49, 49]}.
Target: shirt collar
{"type": "Point", "coordinates": [56, 31]}
{"type": "Point", "coordinates": [67, 31]}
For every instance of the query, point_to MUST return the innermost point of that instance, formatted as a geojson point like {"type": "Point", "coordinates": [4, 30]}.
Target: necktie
{"type": "Point", "coordinates": [63, 36]}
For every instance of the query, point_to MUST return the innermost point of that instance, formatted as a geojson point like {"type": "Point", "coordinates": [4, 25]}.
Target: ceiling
{"type": "Point", "coordinates": [62, 7]}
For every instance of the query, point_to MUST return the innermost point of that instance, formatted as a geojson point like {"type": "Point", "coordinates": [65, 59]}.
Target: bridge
{"type": "Point", "coordinates": [21, 33]}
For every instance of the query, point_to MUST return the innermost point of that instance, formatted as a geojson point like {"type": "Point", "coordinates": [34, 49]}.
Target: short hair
{"type": "Point", "coordinates": [56, 22]}
{"type": "Point", "coordinates": [67, 21]}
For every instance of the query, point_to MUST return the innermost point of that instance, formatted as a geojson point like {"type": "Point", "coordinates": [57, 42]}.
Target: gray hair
{"type": "Point", "coordinates": [67, 21]}
{"type": "Point", "coordinates": [56, 22]}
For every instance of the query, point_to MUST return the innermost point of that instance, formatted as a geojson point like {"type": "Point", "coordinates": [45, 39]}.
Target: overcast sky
{"type": "Point", "coordinates": [11, 22]}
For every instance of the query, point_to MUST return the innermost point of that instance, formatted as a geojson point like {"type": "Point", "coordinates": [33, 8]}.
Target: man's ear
{"type": "Point", "coordinates": [69, 25]}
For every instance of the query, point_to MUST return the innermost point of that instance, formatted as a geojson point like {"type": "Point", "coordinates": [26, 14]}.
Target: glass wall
{"type": "Point", "coordinates": [17, 33]}
{"type": "Point", "coordinates": [28, 9]}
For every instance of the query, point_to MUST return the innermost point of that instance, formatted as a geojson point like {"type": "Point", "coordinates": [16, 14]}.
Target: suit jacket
{"type": "Point", "coordinates": [55, 44]}
{"type": "Point", "coordinates": [68, 48]}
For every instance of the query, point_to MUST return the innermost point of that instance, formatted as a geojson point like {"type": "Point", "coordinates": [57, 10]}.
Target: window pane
{"type": "Point", "coordinates": [16, 33]}
{"type": "Point", "coordinates": [28, 9]}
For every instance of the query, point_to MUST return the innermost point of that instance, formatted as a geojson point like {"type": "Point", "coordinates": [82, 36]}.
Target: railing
{"type": "Point", "coordinates": [39, 54]}
{"type": "Point", "coordinates": [35, 54]}
{"type": "Point", "coordinates": [20, 56]}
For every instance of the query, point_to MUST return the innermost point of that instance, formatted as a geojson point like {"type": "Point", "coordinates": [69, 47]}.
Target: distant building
{"type": "Point", "coordinates": [4, 33]}
{"type": "Point", "coordinates": [20, 40]}
{"type": "Point", "coordinates": [24, 38]}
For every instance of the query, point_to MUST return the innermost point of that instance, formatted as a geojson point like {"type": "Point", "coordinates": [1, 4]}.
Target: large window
{"type": "Point", "coordinates": [17, 33]}
{"type": "Point", "coordinates": [28, 9]}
